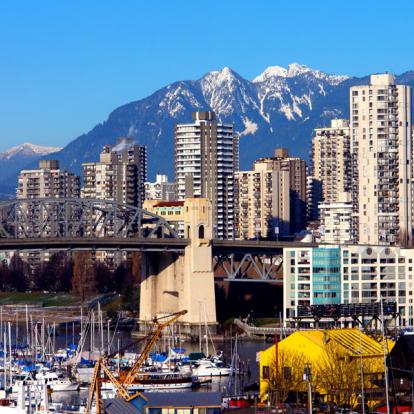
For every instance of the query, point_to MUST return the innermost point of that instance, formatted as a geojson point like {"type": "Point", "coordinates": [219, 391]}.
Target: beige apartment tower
{"type": "Point", "coordinates": [296, 167]}
{"type": "Point", "coordinates": [119, 175]}
{"type": "Point", "coordinates": [331, 160]}
{"type": "Point", "coordinates": [262, 206]}
{"type": "Point", "coordinates": [381, 148]}
{"type": "Point", "coordinates": [48, 181]}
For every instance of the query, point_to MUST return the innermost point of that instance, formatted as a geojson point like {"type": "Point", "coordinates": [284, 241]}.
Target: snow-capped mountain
{"type": "Point", "coordinates": [27, 150]}
{"type": "Point", "coordinates": [296, 69]}
{"type": "Point", "coordinates": [279, 107]}
{"type": "Point", "coordinates": [15, 159]}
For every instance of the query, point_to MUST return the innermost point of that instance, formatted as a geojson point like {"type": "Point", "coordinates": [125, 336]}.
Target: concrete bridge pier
{"type": "Point", "coordinates": [173, 281]}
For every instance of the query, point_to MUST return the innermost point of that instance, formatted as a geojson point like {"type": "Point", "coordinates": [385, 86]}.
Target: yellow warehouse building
{"type": "Point", "coordinates": [338, 360]}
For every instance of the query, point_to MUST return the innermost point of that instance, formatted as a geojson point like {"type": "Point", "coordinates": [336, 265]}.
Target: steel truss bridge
{"type": "Point", "coordinates": [78, 217]}
{"type": "Point", "coordinates": [66, 224]}
{"type": "Point", "coordinates": [251, 260]}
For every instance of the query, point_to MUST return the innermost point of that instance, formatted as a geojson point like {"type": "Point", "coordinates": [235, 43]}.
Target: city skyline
{"type": "Point", "coordinates": [62, 52]}
{"type": "Point", "coordinates": [180, 174]}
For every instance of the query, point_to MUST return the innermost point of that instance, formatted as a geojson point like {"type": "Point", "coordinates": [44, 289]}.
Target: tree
{"type": "Point", "coordinates": [136, 266]}
{"type": "Point", "coordinates": [120, 277]}
{"type": "Point", "coordinates": [104, 278]}
{"type": "Point", "coordinates": [16, 277]}
{"type": "Point", "coordinates": [3, 276]}
{"type": "Point", "coordinates": [286, 375]}
{"type": "Point", "coordinates": [55, 275]}
{"type": "Point", "coordinates": [127, 282]}
{"type": "Point", "coordinates": [66, 275]}
{"type": "Point", "coordinates": [339, 374]}
{"type": "Point", "coordinates": [84, 278]}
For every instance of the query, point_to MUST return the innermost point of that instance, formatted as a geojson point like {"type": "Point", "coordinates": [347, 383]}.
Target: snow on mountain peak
{"type": "Point", "coordinates": [225, 75]}
{"type": "Point", "coordinates": [27, 149]}
{"type": "Point", "coordinates": [297, 69]}
{"type": "Point", "coordinates": [271, 71]}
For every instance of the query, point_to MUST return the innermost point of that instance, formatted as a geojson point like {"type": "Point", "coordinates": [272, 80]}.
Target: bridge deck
{"type": "Point", "coordinates": [148, 244]}
{"type": "Point", "coordinates": [256, 246]}
{"type": "Point", "coordinates": [108, 243]}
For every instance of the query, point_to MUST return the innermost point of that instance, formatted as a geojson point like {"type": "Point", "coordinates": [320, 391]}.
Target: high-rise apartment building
{"type": "Point", "coordinates": [161, 189]}
{"type": "Point", "coordinates": [271, 199]}
{"type": "Point", "coordinates": [296, 167]}
{"type": "Point", "coordinates": [48, 181]}
{"type": "Point", "coordinates": [262, 201]}
{"type": "Point", "coordinates": [336, 220]}
{"type": "Point", "coordinates": [119, 175]}
{"type": "Point", "coordinates": [331, 159]}
{"type": "Point", "coordinates": [313, 198]}
{"type": "Point", "coordinates": [206, 158]}
{"type": "Point", "coordinates": [381, 148]}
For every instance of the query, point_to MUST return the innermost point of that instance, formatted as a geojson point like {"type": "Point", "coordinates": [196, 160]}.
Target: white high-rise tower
{"type": "Point", "coordinates": [381, 148]}
{"type": "Point", "coordinates": [206, 157]}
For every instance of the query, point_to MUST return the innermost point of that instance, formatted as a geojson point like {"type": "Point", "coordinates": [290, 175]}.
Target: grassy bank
{"type": "Point", "coordinates": [262, 322]}
{"type": "Point", "coordinates": [37, 298]}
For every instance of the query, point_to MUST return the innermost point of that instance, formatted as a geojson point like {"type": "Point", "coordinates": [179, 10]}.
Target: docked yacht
{"type": "Point", "coordinates": [207, 368]}
{"type": "Point", "coordinates": [57, 382]}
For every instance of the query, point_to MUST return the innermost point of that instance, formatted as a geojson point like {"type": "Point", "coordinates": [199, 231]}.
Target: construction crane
{"type": "Point", "coordinates": [127, 378]}
{"type": "Point", "coordinates": [95, 388]}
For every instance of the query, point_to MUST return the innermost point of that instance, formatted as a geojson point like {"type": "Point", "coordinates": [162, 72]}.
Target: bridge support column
{"type": "Point", "coordinates": [172, 282]}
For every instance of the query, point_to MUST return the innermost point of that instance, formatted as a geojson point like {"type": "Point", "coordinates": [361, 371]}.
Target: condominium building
{"type": "Point", "coordinates": [297, 185]}
{"type": "Point", "coordinates": [48, 181]}
{"type": "Point", "coordinates": [206, 158]}
{"type": "Point", "coordinates": [311, 276]}
{"type": "Point", "coordinates": [119, 175]}
{"type": "Point", "coordinates": [381, 148]}
{"type": "Point", "coordinates": [161, 189]}
{"type": "Point", "coordinates": [313, 198]}
{"type": "Point", "coordinates": [336, 220]}
{"type": "Point", "coordinates": [262, 201]}
{"type": "Point", "coordinates": [348, 274]}
{"type": "Point", "coordinates": [331, 160]}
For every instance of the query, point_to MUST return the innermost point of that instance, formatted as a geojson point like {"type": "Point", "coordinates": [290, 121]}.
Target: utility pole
{"type": "Point", "coordinates": [307, 376]}
{"type": "Point", "coordinates": [277, 371]}
{"type": "Point", "coordinates": [385, 349]}
{"type": "Point", "coordinates": [412, 389]}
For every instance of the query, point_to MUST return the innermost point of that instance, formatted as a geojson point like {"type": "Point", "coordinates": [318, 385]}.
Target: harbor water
{"type": "Point", "coordinates": [120, 338]}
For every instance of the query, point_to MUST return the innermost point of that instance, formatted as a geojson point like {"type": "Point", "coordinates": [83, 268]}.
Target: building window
{"type": "Point", "coordinates": [266, 372]}
{"type": "Point", "coordinates": [201, 232]}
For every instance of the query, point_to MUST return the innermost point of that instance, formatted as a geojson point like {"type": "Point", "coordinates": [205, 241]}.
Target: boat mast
{"type": "Point", "coordinates": [4, 361]}
{"type": "Point", "coordinates": [199, 326]}
{"type": "Point", "coordinates": [206, 329]}
{"type": "Point", "coordinates": [10, 355]}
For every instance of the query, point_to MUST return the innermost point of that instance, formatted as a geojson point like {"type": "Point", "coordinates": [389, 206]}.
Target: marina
{"type": "Point", "coordinates": [40, 359]}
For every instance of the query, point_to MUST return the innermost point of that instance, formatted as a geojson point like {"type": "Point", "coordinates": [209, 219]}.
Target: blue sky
{"type": "Point", "coordinates": [64, 65]}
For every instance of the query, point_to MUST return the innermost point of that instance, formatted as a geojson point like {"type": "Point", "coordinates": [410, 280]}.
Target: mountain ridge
{"type": "Point", "coordinates": [281, 109]}
{"type": "Point", "coordinates": [16, 158]}
{"type": "Point", "coordinates": [27, 149]}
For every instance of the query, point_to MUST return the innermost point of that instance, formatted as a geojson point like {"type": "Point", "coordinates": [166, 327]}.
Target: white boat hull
{"type": "Point", "coordinates": [212, 372]}
{"type": "Point", "coordinates": [64, 387]}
